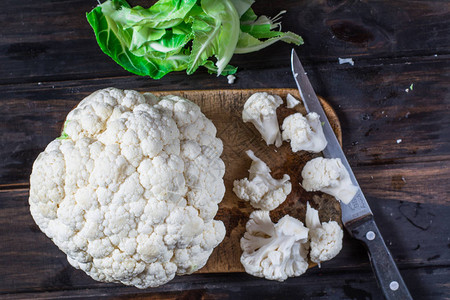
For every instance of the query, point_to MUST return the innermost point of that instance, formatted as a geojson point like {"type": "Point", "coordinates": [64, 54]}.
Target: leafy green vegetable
{"type": "Point", "coordinates": [242, 6]}
{"type": "Point", "coordinates": [117, 41]}
{"type": "Point", "coordinates": [212, 69]}
{"type": "Point", "coordinates": [220, 26]}
{"type": "Point", "coordinates": [64, 135]}
{"type": "Point", "coordinates": [163, 14]}
{"type": "Point", "coordinates": [248, 43]}
{"type": "Point", "coordinates": [175, 35]}
{"type": "Point", "coordinates": [248, 16]}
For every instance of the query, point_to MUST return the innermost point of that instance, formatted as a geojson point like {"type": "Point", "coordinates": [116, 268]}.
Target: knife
{"type": "Point", "coordinates": [356, 215]}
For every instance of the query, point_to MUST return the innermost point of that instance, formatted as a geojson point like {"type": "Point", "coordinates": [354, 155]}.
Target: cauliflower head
{"type": "Point", "coordinates": [305, 133]}
{"type": "Point", "coordinates": [261, 189]}
{"type": "Point", "coordinates": [328, 175]}
{"type": "Point", "coordinates": [130, 189]}
{"type": "Point", "coordinates": [261, 110]}
{"type": "Point", "coordinates": [274, 251]}
{"type": "Point", "coordinates": [325, 238]}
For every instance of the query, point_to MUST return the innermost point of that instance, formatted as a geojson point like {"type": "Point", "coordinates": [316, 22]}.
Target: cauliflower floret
{"type": "Point", "coordinates": [231, 78]}
{"type": "Point", "coordinates": [291, 102]}
{"type": "Point", "coordinates": [325, 238]}
{"type": "Point", "coordinates": [304, 133]}
{"type": "Point", "coordinates": [274, 251]}
{"type": "Point", "coordinates": [191, 259]}
{"type": "Point", "coordinates": [130, 189]}
{"type": "Point", "coordinates": [261, 110]}
{"type": "Point", "coordinates": [261, 189]}
{"type": "Point", "coordinates": [328, 175]}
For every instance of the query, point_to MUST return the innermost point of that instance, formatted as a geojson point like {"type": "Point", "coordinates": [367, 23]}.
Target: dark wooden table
{"type": "Point", "coordinates": [49, 61]}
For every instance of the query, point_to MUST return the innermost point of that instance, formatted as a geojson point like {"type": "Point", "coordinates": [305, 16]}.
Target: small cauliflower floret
{"type": "Point", "coordinates": [261, 189]}
{"type": "Point", "coordinates": [130, 189]}
{"type": "Point", "coordinates": [325, 238]}
{"type": "Point", "coordinates": [261, 110]}
{"type": "Point", "coordinates": [231, 79]}
{"type": "Point", "coordinates": [274, 251]}
{"type": "Point", "coordinates": [305, 133]}
{"type": "Point", "coordinates": [328, 175]}
{"type": "Point", "coordinates": [291, 102]}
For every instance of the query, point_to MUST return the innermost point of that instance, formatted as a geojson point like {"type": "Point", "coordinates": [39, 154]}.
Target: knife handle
{"type": "Point", "coordinates": [386, 270]}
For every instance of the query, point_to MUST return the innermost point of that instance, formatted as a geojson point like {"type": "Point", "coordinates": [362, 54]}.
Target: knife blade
{"type": "Point", "coordinates": [356, 215]}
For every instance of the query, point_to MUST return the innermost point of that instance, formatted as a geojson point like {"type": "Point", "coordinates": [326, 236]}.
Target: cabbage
{"type": "Point", "coordinates": [176, 35]}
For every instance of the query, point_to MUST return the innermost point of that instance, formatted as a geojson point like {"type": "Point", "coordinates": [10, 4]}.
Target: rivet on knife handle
{"type": "Point", "coordinates": [386, 271]}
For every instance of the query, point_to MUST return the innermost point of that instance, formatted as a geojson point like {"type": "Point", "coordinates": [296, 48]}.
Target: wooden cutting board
{"type": "Point", "coordinates": [224, 108]}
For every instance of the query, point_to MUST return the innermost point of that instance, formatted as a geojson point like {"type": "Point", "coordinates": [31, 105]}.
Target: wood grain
{"type": "Point", "coordinates": [370, 101]}
{"type": "Point", "coordinates": [425, 283]}
{"type": "Point", "coordinates": [30, 262]}
{"type": "Point", "coordinates": [53, 41]}
{"type": "Point", "coordinates": [410, 181]}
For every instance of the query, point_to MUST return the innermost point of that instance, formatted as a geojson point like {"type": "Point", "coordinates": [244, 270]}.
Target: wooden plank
{"type": "Point", "coordinates": [424, 283]}
{"type": "Point", "coordinates": [375, 111]}
{"type": "Point", "coordinates": [53, 41]}
{"type": "Point", "coordinates": [412, 182]}
{"type": "Point", "coordinates": [415, 233]}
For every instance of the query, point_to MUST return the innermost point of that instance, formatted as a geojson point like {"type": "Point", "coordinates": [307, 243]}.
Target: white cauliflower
{"type": "Point", "coordinates": [328, 175]}
{"type": "Point", "coordinates": [325, 238]}
{"type": "Point", "coordinates": [261, 189]}
{"type": "Point", "coordinates": [261, 110]}
{"type": "Point", "coordinates": [304, 133]}
{"type": "Point", "coordinates": [291, 102]}
{"type": "Point", "coordinates": [274, 251]}
{"type": "Point", "coordinates": [231, 78]}
{"type": "Point", "coordinates": [130, 189]}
